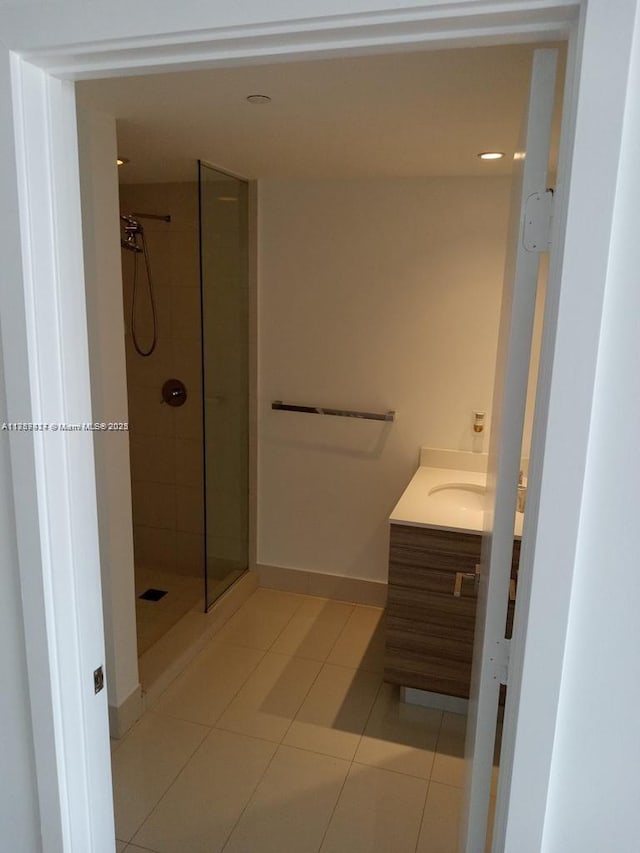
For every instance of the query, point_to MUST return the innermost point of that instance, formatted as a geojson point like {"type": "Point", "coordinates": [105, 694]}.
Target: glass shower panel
{"type": "Point", "coordinates": [225, 363]}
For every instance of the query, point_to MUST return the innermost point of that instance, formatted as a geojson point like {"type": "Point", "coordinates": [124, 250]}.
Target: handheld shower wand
{"type": "Point", "coordinates": [132, 230]}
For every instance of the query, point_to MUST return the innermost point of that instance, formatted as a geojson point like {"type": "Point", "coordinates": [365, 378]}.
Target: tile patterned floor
{"type": "Point", "coordinates": [280, 737]}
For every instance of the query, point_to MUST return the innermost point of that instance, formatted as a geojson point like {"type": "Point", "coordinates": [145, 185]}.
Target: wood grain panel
{"type": "Point", "coordinates": [429, 634]}
{"type": "Point", "coordinates": [430, 579]}
{"type": "Point", "coordinates": [429, 672]}
{"type": "Point", "coordinates": [404, 632]}
{"type": "Point", "coordinates": [420, 547]}
{"type": "Point", "coordinates": [419, 605]}
{"type": "Point", "coordinates": [405, 635]}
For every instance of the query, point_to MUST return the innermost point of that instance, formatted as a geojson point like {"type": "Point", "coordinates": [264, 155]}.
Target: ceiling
{"type": "Point", "coordinates": [391, 115]}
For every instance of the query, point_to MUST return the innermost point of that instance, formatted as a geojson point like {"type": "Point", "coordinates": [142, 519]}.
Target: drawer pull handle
{"type": "Point", "coordinates": [512, 590]}
{"type": "Point", "coordinates": [460, 577]}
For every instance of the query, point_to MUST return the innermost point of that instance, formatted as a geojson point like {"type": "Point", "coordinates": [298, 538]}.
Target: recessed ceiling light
{"type": "Point", "coordinates": [121, 161]}
{"type": "Point", "coordinates": [259, 99]}
{"type": "Point", "coordinates": [491, 155]}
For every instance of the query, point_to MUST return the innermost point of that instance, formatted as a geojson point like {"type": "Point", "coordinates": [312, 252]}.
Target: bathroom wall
{"type": "Point", "coordinates": [102, 266]}
{"type": "Point", "coordinates": [376, 295]}
{"type": "Point", "coordinates": [19, 808]}
{"type": "Point", "coordinates": [166, 442]}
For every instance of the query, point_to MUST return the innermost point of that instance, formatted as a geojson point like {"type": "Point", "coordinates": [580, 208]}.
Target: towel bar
{"type": "Point", "coordinates": [278, 405]}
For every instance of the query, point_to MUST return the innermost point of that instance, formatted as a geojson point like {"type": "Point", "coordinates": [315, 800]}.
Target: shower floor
{"type": "Point", "coordinates": [155, 618]}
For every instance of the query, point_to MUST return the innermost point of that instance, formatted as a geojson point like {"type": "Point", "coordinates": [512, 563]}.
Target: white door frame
{"type": "Point", "coordinates": [44, 336]}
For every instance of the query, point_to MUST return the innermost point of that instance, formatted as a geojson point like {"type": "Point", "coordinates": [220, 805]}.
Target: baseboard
{"type": "Point", "coordinates": [354, 590]}
{"type": "Point", "coordinates": [440, 701]}
{"type": "Point", "coordinates": [123, 716]}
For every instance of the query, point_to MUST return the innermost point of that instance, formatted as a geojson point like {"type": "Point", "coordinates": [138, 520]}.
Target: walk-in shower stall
{"type": "Point", "coordinates": [186, 298]}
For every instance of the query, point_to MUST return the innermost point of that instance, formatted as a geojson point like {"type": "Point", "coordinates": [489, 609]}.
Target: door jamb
{"type": "Point", "coordinates": [69, 723]}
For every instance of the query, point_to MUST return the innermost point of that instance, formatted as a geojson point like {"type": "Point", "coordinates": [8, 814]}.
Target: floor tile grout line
{"type": "Point", "coordinates": [186, 666]}
{"type": "Point", "coordinates": [322, 664]}
{"type": "Point", "coordinates": [233, 698]}
{"type": "Point", "coordinates": [257, 664]}
{"type": "Point", "coordinates": [304, 699]}
{"type": "Point", "coordinates": [214, 724]}
{"type": "Point", "coordinates": [435, 749]}
{"type": "Point", "coordinates": [366, 722]}
{"type": "Point", "coordinates": [250, 797]}
{"type": "Point", "coordinates": [333, 810]}
{"type": "Point", "coordinates": [315, 621]}
{"type": "Point", "coordinates": [342, 630]}
{"type": "Point", "coordinates": [203, 649]}
{"type": "Point", "coordinates": [393, 770]}
{"type": "Point", "coordinates": [171, 784]}
{"type": "Point", "coordinates": [139, 846]}
{"type": "Point", "coordinates": [424, 810]}
{"type": "Point", "coordinates": [289, 620]}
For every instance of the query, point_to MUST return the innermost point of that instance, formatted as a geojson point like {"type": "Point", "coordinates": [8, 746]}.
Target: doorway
{"type": "Point", "coordinates": [27, 87]}
{"type": "Point", "coordinates": [309, 330]}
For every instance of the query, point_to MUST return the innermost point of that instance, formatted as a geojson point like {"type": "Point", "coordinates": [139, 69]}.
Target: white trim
{"type": "Point", "coordinates": [253, 372]}
{"type": "Point", "coordinates": [592, 123]}
{"type": "Point", "coordinates": [517, 315]}
{"type": "Point", "coordinates": [439, 701]}
{"type": "Point", "coordinates": [124, 715]}
{"type": "Point", "coordinates": [443, 24]}
{"type": "Point", "coordinates": [63, 620]}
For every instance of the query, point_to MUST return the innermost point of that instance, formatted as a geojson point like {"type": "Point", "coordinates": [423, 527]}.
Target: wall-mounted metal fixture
{"type": "Point", "coordinates": [278, 405]}
{"type": "Point", "coordinates": [174, 392]}
{"type": "Point", "coordinates": [98, 679]}
{"type": "Point", "coordinates": [462, 576]}
{"type": "Point", "coordinates": [161, 217]}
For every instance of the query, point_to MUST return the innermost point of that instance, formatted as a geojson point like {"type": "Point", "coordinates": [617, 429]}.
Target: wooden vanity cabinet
{"type": "Point", "coordinates": [429, 634]}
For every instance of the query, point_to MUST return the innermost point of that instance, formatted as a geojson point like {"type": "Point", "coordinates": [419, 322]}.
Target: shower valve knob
{"type": "Point", "coordinates": [174, 392]}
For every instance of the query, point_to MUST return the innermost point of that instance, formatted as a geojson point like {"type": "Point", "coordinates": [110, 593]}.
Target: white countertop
{"type": "Point", "coordinates": [418, 508]}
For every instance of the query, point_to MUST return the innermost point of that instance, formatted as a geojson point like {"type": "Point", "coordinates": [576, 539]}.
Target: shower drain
{"type": "Point", "coordinates": [153, 594]}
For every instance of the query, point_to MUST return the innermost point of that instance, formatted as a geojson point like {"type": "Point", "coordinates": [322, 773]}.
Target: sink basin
{"type": "Point", "coordinates": [462, 496]}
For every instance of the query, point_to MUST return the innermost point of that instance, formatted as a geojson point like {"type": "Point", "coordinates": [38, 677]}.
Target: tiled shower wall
{"type": "Point", "coordinates": [166, 443]}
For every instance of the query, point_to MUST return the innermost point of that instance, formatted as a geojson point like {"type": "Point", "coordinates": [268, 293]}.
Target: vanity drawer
{"type": "Point", "coordinates": [454, 640]}
{"type": "Point", "coordinates": [413, 546]}
{"type": "Point", "coordinates": [426, 577]}
{"type": "Point", "coordinates": [414, 551]}
{"type": "Point", "coordinates": [428, 663]}
{"type": "Point", "coordinates": [426, 606]}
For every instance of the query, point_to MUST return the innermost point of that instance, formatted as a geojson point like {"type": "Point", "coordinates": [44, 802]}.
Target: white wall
{"type": "Point", "coordinates": [19, 813]}
{"type": "Point", "coordinates": [376, 295]}
{"type": "Point", "coordinates": [99, 186]}
{"type": "Point", "coordinates": [593, 796]}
